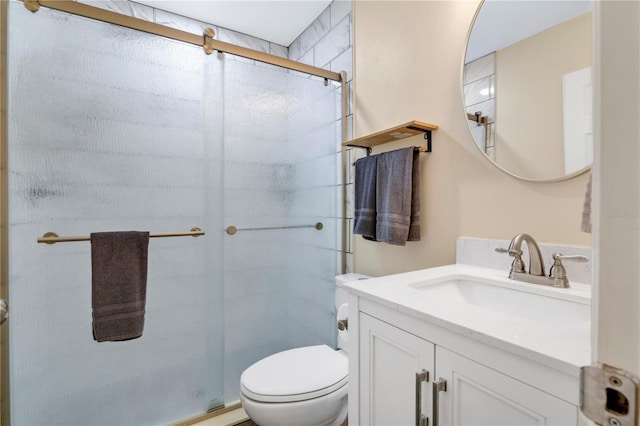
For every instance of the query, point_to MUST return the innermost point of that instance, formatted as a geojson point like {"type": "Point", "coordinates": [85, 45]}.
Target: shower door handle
{"type": "Point", "coordinates": [4, 311]}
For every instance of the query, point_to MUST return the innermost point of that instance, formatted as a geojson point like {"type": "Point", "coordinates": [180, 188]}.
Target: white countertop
{"type": "Point", "coordinates": [558, 338]}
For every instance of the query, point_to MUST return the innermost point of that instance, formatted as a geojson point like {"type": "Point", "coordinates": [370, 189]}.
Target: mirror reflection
{"type": "Point", "coordinates": [527, 86]}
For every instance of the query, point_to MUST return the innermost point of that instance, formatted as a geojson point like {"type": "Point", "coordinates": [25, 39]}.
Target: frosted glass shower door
{"type": "Point", "coordinates": [281, 143]}
{"type": "Point", "coordinates": [107, 132]}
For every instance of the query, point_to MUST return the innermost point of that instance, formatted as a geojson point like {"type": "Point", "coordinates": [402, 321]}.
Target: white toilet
{"type": "Point", "coordinates": [302, 386]}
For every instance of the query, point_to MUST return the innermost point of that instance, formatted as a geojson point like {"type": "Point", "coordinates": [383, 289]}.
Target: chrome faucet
{"type": "Point", "coordinates": [536, 275]}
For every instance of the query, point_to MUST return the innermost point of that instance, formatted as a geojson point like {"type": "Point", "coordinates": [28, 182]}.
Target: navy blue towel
{"type": "Point", "coordinates": [364, 216]}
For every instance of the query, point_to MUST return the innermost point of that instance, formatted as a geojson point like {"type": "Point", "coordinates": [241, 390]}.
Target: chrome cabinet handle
{"type": "Point", "coordinates": [439, 385]}
{"type": "Point", "coordinates": [4, 311]}
{"type": "Point", "coordinates": [422, 376]}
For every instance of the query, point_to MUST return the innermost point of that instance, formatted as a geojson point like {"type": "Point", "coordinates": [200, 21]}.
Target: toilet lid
{"type": "Point", "coordinates": [296, 375]}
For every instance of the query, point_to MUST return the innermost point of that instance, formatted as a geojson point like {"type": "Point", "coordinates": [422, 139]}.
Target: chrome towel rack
{"type": "Point", "coordinates": [52, 237]}
{"type": "Point", "coordinates": [232, 230]}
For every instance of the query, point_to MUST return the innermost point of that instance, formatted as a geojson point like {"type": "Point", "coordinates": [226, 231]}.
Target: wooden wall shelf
{"type": "Point", "coordinates": [395, 133]}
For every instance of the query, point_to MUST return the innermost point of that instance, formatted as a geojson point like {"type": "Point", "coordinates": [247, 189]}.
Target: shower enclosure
{"type": "Point", "coordinates": [113, 129]}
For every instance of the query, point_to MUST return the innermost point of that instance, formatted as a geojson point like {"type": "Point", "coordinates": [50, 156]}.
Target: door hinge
{"type": "Point", "coordinates": [608, 395]}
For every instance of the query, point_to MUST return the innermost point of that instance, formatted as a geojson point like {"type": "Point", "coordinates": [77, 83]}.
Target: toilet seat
{"type": "Point", "coordinates": [296, 375]}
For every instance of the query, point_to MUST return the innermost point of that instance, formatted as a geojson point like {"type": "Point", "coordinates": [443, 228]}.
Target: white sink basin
{"type": "Point", "coordinates": [549, 324]}
{"type": "Point", "coordinates": [494, 297]}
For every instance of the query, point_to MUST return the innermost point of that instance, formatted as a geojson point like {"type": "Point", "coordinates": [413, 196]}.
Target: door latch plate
{"type": "Point", "coordinates": [609, 395]}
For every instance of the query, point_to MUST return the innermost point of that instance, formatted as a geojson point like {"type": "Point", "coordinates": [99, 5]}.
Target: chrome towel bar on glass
{"type": "Point", "coordinates": [52, 237]}
{"type": "Point", "coordinates": [231, 230]}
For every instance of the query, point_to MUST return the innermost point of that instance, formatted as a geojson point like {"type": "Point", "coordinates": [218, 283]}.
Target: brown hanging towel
{"type": "Point", "coordinates": [119, 284]}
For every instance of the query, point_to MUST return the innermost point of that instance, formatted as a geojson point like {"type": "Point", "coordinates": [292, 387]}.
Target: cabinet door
{"type": "Point", "coordinates": [390, 363]}
{"type": "Point", "coordinates": [477, 395]}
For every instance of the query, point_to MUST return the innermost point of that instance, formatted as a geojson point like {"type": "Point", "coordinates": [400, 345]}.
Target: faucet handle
{"type": "Point", "coordinates": [514, 253]}
{"type": "Point", "coordinates": [558, 271]}
{"type": "Point", "coordinates": [558, 257]}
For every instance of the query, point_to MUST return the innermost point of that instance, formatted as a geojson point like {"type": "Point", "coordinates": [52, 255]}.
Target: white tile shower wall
{"type": "Point", "coordinates": [316, 31]}
{"type": "Point", "coordinates": [479, 68]}
{"type": "Point", "coordinates": [480, 96]}
{"type": "Point", "coordinates": [481, 252]}
{"type": "Point", "coordinates": [128, 8]}
{"type": "Point", "coordinates": [327, 43]}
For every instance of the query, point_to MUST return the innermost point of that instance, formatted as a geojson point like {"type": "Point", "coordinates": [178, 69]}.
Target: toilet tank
{"type": "Point", "coordinates": [341, 294]}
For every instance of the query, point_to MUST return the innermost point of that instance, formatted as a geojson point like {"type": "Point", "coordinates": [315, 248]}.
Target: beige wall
{"type": "Point", "coordinates": [529, 127]}
{"type": "Point", "coordinates": [408, 59]}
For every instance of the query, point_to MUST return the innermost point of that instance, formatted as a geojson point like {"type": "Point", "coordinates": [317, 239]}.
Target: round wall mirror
{"type": "Point", "coordinates": [527, 87]}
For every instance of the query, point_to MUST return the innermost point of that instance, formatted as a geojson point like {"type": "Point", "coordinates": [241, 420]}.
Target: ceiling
{"type": "Point", "coordinates": [277, 21]}
{"type": "Point", "coordinates": [501, 23]}
{"type": "Point", "coordinates": [498, 24]}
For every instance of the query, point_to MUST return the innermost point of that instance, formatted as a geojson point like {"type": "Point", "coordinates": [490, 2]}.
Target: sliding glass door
{"type": "Point", "coordinates": [281, 153]}
{"type": "Point", "coordinates": [110, 129]}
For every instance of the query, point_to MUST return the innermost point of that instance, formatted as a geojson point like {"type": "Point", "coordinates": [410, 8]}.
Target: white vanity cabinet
{"type": "Point", "coordinates": [395, 370]}
{"type": "Point", "coordinates": [478, 395]}
{"type": "Point", "coordinates": [484, 385]}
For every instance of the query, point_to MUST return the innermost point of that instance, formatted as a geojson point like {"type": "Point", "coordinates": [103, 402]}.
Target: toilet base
{"type": "Point", "coordinates": [328, 410]}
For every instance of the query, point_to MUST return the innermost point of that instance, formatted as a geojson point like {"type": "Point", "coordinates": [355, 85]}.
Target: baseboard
{"type": "Point", "coordinates": [229, 415]}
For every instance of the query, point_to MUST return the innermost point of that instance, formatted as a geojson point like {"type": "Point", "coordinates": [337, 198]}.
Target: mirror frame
{"type": "Point", "coordinates": [475, 143]}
